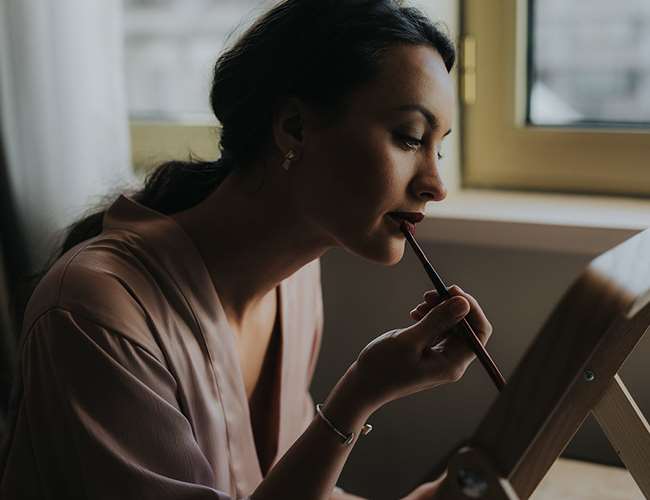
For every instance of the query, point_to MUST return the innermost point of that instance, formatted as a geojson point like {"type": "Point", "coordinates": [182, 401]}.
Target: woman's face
{"type": "Point", "coordinates": [381, 156]}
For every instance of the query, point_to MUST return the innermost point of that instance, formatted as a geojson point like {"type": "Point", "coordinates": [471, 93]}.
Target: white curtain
{"type": "Point", "coordinates": [64, 115]}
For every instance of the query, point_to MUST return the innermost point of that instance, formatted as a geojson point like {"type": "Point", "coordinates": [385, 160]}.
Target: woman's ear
{"type": "Point", "coordinates": [288, 126]}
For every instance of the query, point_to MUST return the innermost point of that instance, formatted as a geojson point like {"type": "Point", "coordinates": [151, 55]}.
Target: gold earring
{"type": "Point", "coordinates": [287, 159]}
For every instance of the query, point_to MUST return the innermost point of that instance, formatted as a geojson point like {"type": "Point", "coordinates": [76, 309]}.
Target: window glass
{"type": "Point", "coordinates": [589, 62]}
{"type": "Point", "coordinates": [171, 48]}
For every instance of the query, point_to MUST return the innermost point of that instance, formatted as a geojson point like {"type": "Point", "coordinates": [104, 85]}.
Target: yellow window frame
{"type": "Point", "coordinates": [155, 142]}
{"type": "Point", "coordinates": [499, 150]}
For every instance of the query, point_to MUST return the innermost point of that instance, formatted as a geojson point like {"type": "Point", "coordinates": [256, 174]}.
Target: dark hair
{"type": "Point", "coordinates": [317, 50]}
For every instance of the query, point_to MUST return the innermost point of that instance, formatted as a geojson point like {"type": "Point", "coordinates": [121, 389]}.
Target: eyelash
{"type": "Point", "coordinates": [405, 140]}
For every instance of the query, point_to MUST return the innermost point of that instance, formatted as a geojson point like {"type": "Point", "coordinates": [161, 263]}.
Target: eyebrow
{"type": "Point", "coordinates": [428, 115]}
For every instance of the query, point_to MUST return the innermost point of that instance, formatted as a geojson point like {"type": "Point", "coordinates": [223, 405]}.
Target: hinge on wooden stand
{"type": "Point", "coordinates": [468, 69]}
{"type": "Point", "coordinates": [471, 475]}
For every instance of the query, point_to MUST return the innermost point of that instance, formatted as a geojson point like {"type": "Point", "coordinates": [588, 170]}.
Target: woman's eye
{"type": "Point", "coordinates": [409, 142]}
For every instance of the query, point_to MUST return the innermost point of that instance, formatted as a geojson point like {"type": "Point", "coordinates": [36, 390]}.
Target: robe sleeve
{"type": "Point", "coordinates": [100, 418]}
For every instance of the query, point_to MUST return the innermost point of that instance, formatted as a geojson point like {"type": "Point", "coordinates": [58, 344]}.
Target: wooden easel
{"type": "Point", "coordinates": [570, 370]}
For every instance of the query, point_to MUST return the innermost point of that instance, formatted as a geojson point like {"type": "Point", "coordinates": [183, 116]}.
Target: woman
{"type": "Point", "coordinates": [168, 352]}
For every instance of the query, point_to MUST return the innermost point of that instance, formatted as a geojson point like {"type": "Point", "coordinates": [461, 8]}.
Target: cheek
{"type": "Point", "coordinates": [352, 179]}
{"type": "Point", "coordinates": [371, 167]}
{"type": "Point", "coordinates": [347, 165]}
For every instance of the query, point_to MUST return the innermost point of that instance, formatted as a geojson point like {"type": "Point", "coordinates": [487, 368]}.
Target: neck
{"type": "Point", "coordinates": [251, 238]}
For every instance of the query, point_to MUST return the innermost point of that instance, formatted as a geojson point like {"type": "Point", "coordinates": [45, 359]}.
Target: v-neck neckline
{"type": "Point", "coordinates": [245, 424]}
{"type": "Point", "coordinates": [265, 395]}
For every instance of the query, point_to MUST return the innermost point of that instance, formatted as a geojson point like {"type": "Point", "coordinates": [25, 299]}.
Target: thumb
{"type": "Point", "coordinates": [439, 320]}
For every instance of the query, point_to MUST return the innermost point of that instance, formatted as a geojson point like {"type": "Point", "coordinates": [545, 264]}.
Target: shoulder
{"type": "Point", "coordinates": [97, 280]}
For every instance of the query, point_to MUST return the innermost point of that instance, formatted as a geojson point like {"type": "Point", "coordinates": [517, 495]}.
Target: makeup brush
{"type": "Point", "coordinates": [470, 336]}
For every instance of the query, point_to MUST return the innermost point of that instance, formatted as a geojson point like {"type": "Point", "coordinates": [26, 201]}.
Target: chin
{"type": "Point", "coordinates": [379, 246]}
{"type": "Point", "coordinates": [396, 257]}
{"type": "Point", "coordinates": [385, 252]}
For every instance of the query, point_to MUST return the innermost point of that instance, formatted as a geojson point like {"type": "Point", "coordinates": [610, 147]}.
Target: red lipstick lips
{"type": "Point", "coordinates": [412, 217]}
{"type": "Point", "coordinates": [408, 219]}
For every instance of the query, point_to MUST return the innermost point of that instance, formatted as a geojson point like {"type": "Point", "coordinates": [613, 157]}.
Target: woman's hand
{"type": "Point", "coordinates": [429, 353]}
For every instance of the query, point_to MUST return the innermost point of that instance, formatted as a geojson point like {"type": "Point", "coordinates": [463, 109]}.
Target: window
{"type": "Point", "coordinates": [556, 95]}
{"type": "Point", "coordinates": [170, 50]}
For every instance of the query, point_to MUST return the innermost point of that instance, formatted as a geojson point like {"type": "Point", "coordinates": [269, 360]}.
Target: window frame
{"type": "Point", "coordinates": [500, 150]}
{"type": "Point", "coordinates": [153, 142]}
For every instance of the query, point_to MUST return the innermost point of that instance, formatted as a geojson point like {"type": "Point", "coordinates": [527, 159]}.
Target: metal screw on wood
{"type": "Point", "coordinates": [589, 375]}
{"type": "Point", "coordinates": [472, 483]}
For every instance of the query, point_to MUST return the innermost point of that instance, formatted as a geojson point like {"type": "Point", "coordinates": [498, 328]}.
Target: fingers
{"type": "Point", "coordinates": [476, 317]}
{"type": "Point", "coordinates": [457, 351]}
{"type": "Point", "coordinates": [431, 299]}
{"type": "Point", "coordinates": [446, 343]}
{"type": "Point", "coordinates": [458, 355]}
{"type": "Point", "coordinates": [438, 321]}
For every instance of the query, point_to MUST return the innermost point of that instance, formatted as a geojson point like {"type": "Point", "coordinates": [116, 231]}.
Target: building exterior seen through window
{"type": "Point", "coordinates": [171, 48]}
{"type": "Point", "coordinates": [589, 62]}
{"type": "Point", "coordinates": [589, 59]}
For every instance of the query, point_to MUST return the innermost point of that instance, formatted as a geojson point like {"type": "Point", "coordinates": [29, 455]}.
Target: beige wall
{"type": "Point", "coordinates": [517, 290]}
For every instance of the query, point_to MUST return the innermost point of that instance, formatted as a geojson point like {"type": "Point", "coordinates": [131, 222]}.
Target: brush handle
{"type": "Point", "coordinates": [470, 336]}
{"type": "Point", "coordinates": [481, 353]}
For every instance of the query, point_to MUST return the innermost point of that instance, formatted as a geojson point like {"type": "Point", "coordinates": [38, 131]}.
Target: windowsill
{"type": "Point", "coordinates": [577, 224]}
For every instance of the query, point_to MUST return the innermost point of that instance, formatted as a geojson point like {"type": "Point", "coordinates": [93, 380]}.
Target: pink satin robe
{"type": "Point", "coordinates": [129, 380]}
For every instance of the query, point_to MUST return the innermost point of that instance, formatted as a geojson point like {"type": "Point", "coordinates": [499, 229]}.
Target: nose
{"type": "Point", "coordinates": [430, 187]}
